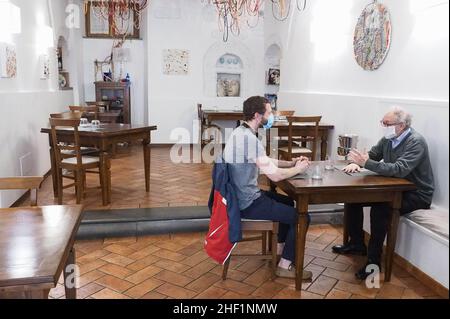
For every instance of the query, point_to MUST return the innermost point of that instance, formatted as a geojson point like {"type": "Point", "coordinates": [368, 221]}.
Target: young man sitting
{"type": "Point", "coordinates": [247, 157]}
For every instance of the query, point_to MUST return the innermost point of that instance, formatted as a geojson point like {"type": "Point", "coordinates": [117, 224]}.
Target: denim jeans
{"type": "Point", "coordinates": [279, 208]}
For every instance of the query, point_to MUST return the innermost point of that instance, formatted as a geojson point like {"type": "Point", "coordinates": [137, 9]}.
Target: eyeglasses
{"type": "Point", "coordinates": [385, 124]}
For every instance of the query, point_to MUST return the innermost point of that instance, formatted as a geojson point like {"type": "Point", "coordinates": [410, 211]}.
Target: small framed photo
{"type": "Point", "coordinates": [272, 100]}
{"type": "Point", "coordinates": [273, 77]}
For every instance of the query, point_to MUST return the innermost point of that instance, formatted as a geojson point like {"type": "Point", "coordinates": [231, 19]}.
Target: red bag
{"type": "Point", "coordinates": [217, 243]}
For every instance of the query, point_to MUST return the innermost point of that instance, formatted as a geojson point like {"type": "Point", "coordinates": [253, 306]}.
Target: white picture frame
{"type": "Point", "coordinates": [44, 66]}
{"type": "Point", "coordinates": [175, 62]}
{"type": "Point", "coordinates": [8, 61]}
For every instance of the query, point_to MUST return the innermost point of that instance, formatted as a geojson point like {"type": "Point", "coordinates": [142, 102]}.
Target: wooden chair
{"type": "Point", "coordinates": [205, 127]}
{"type": "Point", "coordinates": [284, 113]}
{"type": "Point", "coordinates": [88, 111]}
{"type": "Point", "coordinates": [268, 230]}
{"type": "Point", "coordinates": [74, 116]}
{"type": "Point", "coordinates": [66, 115]}
{"type": "Point", "coordinates": [32, 184]}
{"type": "Point", "coordinates": [297, 146]}
{"type": "Point", "coordinates": [70, 158]}
{"type": "Point", "coordinates": [104, 104]}
{"type": "Point", "coordinates": [282, 140]}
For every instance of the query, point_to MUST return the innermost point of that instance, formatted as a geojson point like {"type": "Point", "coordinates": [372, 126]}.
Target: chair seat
{"type": "Point", "coordinates": [84, 151]}
{"type": "Point", "coordinates": [84, 160]}
{"type": "Point", "coordinates": [295, 150]}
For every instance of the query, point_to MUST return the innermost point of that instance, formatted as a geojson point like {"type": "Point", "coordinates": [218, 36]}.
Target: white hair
{"type": "Point", "coordinates": [402, 116]}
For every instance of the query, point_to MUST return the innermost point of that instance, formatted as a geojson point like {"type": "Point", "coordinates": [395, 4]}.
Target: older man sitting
{"type": "Point", "coordinates": [403, 153]}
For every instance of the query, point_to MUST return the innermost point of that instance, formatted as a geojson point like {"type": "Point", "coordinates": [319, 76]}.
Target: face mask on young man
{"type": "Point", "coordinates": [267, 123]}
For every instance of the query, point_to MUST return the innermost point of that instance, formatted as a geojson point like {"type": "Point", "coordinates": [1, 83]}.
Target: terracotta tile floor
{"type": "Point", "coordinates": [176, 266]}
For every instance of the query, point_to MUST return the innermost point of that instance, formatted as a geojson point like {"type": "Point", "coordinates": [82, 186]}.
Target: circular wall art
{"type": "Point", "coordinates": [372, 37]}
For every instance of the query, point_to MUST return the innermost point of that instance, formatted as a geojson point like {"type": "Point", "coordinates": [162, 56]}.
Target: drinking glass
{"type": "Point", "coordinates": [95, 123]}
{"type": "Point", "coordinates": [317, 172]}
{"type": "Point", "coordinates": [84, 121]}
{"type": "Point", "coordinates": [329, 165]}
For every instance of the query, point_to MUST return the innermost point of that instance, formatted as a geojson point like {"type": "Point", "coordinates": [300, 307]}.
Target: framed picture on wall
{"type": "Point", "coordinates": [272, 100]}
{"type": "Point", "coordinates": [273, 77]}
{"type": "Point", "coordinates": [8, 61]}
{"type": "Point", "coordinates": [100, 23]}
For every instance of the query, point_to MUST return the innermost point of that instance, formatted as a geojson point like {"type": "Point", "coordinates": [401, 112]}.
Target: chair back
{"type": "Point", "coordinates": [86, 110]}
{"type": "Point", "coordinates": [200, 113]}
{"type": "Point", "coordinates": [66, 115]}
{"type": "Point", "coordinates": [312, 138]}
{"type": "Point", "coordinates": [59, 146]}
{"type": "Point", "coordinates": [284, 113]}
{"type": "Point", "coordinates": [31, 183]}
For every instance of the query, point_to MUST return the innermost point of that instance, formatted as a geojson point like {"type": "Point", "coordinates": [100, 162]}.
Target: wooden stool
{"type": "Point", "coordinates": [268, 229]}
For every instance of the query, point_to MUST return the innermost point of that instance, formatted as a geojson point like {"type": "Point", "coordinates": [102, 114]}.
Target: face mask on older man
{"type": "Point", "coordinates": [389, 132]}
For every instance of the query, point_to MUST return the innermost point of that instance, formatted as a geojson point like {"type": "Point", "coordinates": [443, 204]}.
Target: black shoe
{"type": "Point", "coordinates": [368, 269]}
{"type": "Point", "coordinates": [350, 249]}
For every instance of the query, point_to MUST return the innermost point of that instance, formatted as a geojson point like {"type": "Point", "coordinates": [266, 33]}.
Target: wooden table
{"type": "Point", "coordinates": [222, 115]}
{"type": "Point", "coordinates": [104, 138]}
{"type": "Point", "coordinates": [338, 187]}
{"type": "Point", "coordinates": [36, 245]}
{"type": "Point", "coordinates": [303, 130]}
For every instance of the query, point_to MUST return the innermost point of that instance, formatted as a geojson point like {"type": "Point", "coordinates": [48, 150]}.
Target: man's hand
{"type": "Point", "coordinates": [352, 168]}
{"type": "Point", "coordinates": [302, 164]}
{"type": "Point", "coordinates": [299, 159]}
{"type": "Point", "coordinates": [358, 157]}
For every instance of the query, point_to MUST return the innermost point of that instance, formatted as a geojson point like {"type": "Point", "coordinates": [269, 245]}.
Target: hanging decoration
{"type": "Point", "coordinates": [121, 14]}
{"type": "Point", "coordinates": [233, 12]}
{"type": "Point", "coordinates": [372, 37]}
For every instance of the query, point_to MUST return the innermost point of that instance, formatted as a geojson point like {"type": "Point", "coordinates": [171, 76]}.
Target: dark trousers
{"type": "Point", "coordinates": [279, 208]}
{"type": "Point", "coordinates": [379, 222]}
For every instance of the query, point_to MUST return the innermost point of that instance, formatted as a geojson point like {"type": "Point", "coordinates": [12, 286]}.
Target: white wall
{"type": "Point", "coordinates": [172, 99]}
{"type": "Point", "coordinates": [319, 74]}
{"type": "Point", "coordinates": [26, 101]}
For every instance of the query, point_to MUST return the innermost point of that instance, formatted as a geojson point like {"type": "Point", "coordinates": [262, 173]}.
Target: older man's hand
{"type": "Point", "coordinates": [358, 157]}
{"type": "Point", "coordinates": [352, 168]}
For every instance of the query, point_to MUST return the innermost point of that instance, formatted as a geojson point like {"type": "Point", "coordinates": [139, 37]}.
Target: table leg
{"type": "Point", "coordinates": [37, 294]}
{"type": "Point", "coordinates": [300, 238]}
{"type": "Point", "coordinates": [105, 177]}
{"type": "Point", "coordinates": [345, 221]}
{"type": "Point", "coordinates": [147, 155]}
{"type": "Point", "coordinates": [268, 142]}
{"type": "Point", "coordinates": [392, 234]}
{"type": "Point", "coordinates": [323, 146]}
{"type": "Point", "coordinates": [53, 170]}
{"type": "Point", "coordinates": [69, 276]}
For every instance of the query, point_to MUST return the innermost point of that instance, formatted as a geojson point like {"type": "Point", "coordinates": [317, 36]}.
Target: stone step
{"type": "Point", "coordinates": [158, 220]}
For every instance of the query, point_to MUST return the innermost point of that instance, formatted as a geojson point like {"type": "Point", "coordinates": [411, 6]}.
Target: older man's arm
{"type": "Point", "coordinates": [404, 165]}
{"type": "Point", "coordinates": [376, 152]}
